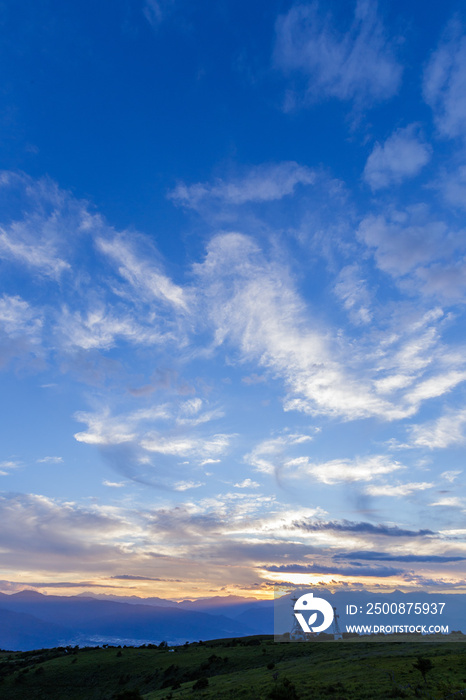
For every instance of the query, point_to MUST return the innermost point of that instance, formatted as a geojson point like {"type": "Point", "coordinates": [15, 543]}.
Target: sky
{"type": "Point", "coordinates": [232, 296]}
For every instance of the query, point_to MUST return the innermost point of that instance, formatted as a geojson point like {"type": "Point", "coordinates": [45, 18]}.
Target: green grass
{"type": "Point", "coordinates": [245, 669]}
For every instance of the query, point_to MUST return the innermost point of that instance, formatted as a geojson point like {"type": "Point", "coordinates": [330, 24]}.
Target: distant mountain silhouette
{"type": "Point", "coordinates": [19, 631]}
{"type": "Point", "coordinates": [43, 620]}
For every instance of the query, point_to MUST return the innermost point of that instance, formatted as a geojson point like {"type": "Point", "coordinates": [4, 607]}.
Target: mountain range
{"type": "Point", "coordinates": [31, 620]}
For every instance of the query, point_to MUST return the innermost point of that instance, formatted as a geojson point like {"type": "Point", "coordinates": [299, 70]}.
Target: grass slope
{"type": "Point", "coordinates": [252, 668]}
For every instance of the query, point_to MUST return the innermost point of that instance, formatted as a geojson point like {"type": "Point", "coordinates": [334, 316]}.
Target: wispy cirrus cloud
{"type": "Point", "coordinates": [42, 257]}
{"type": "Point", "coordinates": [450, 502]}
{"type": "Point", "coordinates": [139, 444]}
{"type": "Point", "coordinates": [186, 446]}
{"type": "Point", "coordinates": [398, 490]}
{"type": "Point", "coordinates": [45, 231]}
{"type": "Point", "coordinates": [351, 289]}
{"type": "Point", "coordinates": [449, 429]}
{"type": "Point", "coordinates": [451, 475]}
{"type": "Point", "coordinates": [445, 82]}
{"type": "Point", "coordinates": [436, 385]}
{"type": "Point", "coordinates": [105, 429]}
{"type": "Point", "coordinates": [263, 183]}
{"type": "Point", "coordinates": [358, 64]}
{"type": "Point", "coordinates": [401, 156]}
{"type": "Point", "coordinates": [343, 470]}
{"type": "Point", "coordinates": [103, 327]}
{"type": "Point", "coordinates": [34, 238]}
{"type": "Point", "coordinates": [19, 318]}
{"type": "Point", "coordinates": [187, 485]}
{"type": "Point", "coordinates": [141, 271]}
{"type": "Point", "coordinates": [21, 330]}
{"type": "Point", "coordinates": [269, 455]}
{"type": "Point", "coordinates": [269, 324]}
{"type": "Point", "coordinates": [155, 11]}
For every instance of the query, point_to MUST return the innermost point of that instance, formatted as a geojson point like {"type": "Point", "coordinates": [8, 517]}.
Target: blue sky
{"type": "Point", "coordinates": [233, 273]}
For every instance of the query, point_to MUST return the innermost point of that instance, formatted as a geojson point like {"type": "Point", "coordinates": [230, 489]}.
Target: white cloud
{"type": "Point", "coordinates": [191, 407]}
{"type": "Point", "coordinates": [114, 484]}
{"type": "Point", "coordinates": [398, 490]}
{"type": "Point", "coordinates": [190, 414]}
{"type": "Point", "coordinates": [268, 455]}
{"type": "Point", "coordinates": [254, 379]}
{"type": "Point", "coordinates": [393, 383]}
{"type": "Point", "coordinates": [187, 485]}
{"type": "Point", "coordinates": [7, 465]}
{"type": "Point", "coordinates": [422, 253]}
{"type": "Point", "coordinates": [402, 155]}
{"type": "Point", "coordinates": [42, 257]}
{"type": "Point", "coordinates": [450, 475]}
{"type": "Point", "coordinates": [404, 239]}
{"type": "Point", "coordinates": [138, 447]}
{"type": "Point", "coordinates": [411, 354]}
{"type": "Point", "coordinates": [452, 185]}
{"type": "Point", "coordinates": [351, 288]}
{"type": "Point", "coordinates": [102, 327]}
{"type": "Point", "coordinates": [343, 470]}
{"type": "Point", "coordinates": [142, 273]}
{"type": "Point", "coordinates": [21, 329]}
{"type": "Point", "coordinates": [17, 318]}
{"type": "Point", "coordinates": [50, 460]}
{"type": "Point", "coordinates": [447, 430]}
{"type": "Point", "coordinates": [155, 11]}
{"type": "Point", "coordinates": [47, 226]}
{"type": "Point", "coordinates": [355, 65]}
{"type": "Point", "coordinates": [263, 183]}
{"type": "Point", "coordinates": [252, 304]}
{"type": "Point", "coordinates": [36, 524]}
{"type": "Point", "coordinates": [445, 83]}
{"type": "Point", "coordinates": [104, 430]}
{"type": "Point", "coordinates": [447, 281]}
{"type": "Point", "coordinates": [247, 484]}
{"type": "Point", "coordinates": [449, 502]}
{"type": "Point", "coordinates": [435, 386]}
{"type": "Point", "coordinates": [187, 446]}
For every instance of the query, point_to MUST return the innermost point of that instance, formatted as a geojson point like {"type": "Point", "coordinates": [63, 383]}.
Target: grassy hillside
{"type": "Point", "coordinates": [253, 668]}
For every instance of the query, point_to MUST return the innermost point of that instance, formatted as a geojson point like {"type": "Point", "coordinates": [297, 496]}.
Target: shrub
{"type": "Point", "coordinates": [283, 691]}
{"type": "Point", "coordinates": [129, 695]}
{"type": "Point", "coordinates": [423, 666]}
{"type": "Point", "coordinates": [201, 683]}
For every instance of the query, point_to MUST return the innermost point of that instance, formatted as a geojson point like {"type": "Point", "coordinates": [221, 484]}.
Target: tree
{"type": "Point", "coordinates": [423, 666]}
